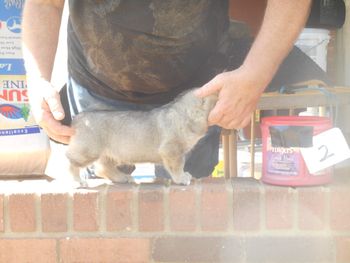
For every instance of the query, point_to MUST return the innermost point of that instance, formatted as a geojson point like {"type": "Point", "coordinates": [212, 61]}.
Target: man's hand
{"type": "Point", "coordinates": [239, 92]}
{"type": "Point", "coordinates": [48, 111]}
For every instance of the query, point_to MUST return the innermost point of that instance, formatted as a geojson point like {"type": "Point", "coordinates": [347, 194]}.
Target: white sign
{"type": "Point", "coordinates": [329, 148]}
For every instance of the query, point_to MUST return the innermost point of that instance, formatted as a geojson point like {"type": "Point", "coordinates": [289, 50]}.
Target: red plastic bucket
{"type": "Point", "coordinates": [285, 165]}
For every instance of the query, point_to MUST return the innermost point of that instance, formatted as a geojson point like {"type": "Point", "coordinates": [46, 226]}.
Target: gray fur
{"type": "Point", "coordinates": [120, 138]}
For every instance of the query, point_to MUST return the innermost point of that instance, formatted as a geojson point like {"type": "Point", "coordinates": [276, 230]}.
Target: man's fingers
{"type": "Point", "coordinates": [227, 117]}
{"type": "Point", "coordinates": [58, 138]}
{"type": "Point", "coordinates": [234, 124]}
{"type": "Point", "coordinates": [54, 102]}
{"type": "Point", "coordinates": [56, 127]}
{"type": "Point", "coordinates": [211, 87]}
{"type": "Point", "coordinates": [224, 111]}
{"type": "Point", "coordinates": [216, 115]}
{"type": "Point", "coordinates": [53, 134]}
{"type": "Point", "coordinates": [245, 122]}
{"type": "Point", "coordinates": [55, 130]}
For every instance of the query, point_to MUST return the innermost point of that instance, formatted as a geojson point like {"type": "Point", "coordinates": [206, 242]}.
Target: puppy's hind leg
{"type": "Point", "coordinates": [108, 168]}
{"type": "Point", "coordinates": [79, 157]}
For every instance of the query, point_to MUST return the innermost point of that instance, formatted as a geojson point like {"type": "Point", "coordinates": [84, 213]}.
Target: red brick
{"type": "Point", "coordinates": [151, 211]}
{"type": "Point", "coordinates": [214, 207]}
{"type": "Point", "coordinates": [135, 250]}
{"type": "Point", "coordinates": [339, 209]}
{"type": "Point", "coordinates": [213, 180]}
{"type": "Point", "coordinates": [343, 250]}
{"type": "Point", "coordinates": [311, 208]}
{"type": "Point", "coordinates": [279, 207]}
{"type": "Point", "coordinates": [22, 212]}
{"type": "Point", "coordinates": [246, 205]}
{"type": "Point", "coordinates": [85, 211]}
{"type": "Point", "coordinates": [54, 212]}
{"type": "Point", "coordinates": [2, 227]}
{"type": "Point", "coordinates": [182, 208]}
{"type": "Point", "coordinates": [28, 250]}
{"type": "Point", "coordinates": [119, 209]}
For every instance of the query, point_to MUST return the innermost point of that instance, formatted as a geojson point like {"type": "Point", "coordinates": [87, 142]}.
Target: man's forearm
{"type": "Point", "coordinates": [282, 24]}
{"type": "Point", "coordinates": [40, 30]}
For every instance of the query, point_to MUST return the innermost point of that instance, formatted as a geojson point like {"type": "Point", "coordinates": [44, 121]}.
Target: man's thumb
{"type": "Point", "coordinates": [211, 87]}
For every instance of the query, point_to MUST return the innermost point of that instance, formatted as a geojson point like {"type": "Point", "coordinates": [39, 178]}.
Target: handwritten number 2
{"type": "Point", "coordinates": [326, 155]}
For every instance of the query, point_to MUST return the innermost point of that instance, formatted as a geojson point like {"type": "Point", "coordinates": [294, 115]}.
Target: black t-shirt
{"type": "Point", "coordinates": [143, 51]}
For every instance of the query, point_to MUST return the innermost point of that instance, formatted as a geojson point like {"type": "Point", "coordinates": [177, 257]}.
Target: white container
{"type": "Point", "coordinates": [314, 42]}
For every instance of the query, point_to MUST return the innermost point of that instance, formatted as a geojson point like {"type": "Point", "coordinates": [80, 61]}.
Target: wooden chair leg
{"type": "Point", "coordinates": [233, 153]}
{"type": "Point", "coordinates": [225, 146]}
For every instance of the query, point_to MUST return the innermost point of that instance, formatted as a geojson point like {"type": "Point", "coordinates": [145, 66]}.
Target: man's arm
{"type": "Point", "coordinates": [40, 30]}
{"type": "Point", "coordinates": [240, 90]}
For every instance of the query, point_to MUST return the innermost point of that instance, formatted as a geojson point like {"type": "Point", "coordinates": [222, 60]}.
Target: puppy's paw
{"type": "Point", "coordinates": [121, 178]}
{"type": "Point", "coordinates": [185, 179]}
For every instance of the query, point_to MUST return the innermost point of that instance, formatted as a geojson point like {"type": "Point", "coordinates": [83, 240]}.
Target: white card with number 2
{"type": "Point", "coordinates": [329, 148]}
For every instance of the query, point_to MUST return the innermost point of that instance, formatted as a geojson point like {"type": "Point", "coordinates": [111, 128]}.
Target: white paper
{"type": "Point", "coordinates": [329, 148]}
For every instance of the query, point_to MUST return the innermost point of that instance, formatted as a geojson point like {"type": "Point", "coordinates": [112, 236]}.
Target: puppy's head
{"type": "Point", "coordinates": [209, 102]}
{"type": "Point", "coordinates": [197, 108]}
{"type": "Point", "coordinates": [205, 104]}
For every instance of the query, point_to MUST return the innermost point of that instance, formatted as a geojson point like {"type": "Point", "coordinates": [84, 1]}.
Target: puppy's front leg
{"type": "Point", "coordinates": [174, 162]}
{"type": "Point", "coordinates": [75, 173]}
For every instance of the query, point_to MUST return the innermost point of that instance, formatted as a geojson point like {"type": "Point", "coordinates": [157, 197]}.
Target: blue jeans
{"type": "Point", "coordinates": [200, 161]}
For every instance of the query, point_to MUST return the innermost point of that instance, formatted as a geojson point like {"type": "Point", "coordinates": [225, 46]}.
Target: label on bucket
{"type": "Point", "coordinates": [329, 148]}
{"type": "Point", "coordinates": [282, 161]}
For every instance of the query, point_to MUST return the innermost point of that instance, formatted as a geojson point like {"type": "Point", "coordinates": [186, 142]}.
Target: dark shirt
{"type": "Point", "coordinates": [144, 51]}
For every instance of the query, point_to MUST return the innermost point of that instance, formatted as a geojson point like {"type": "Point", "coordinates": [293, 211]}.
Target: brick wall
{"type": "Point", "coordinates": [212, 220]}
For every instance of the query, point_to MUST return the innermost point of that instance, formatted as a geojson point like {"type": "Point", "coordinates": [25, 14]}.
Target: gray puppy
{"type": "Point", "coordinates": [112, 139]}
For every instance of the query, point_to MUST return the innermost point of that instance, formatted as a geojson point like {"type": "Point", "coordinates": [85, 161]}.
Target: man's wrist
{"type": "Point", "coordinates": [257, 75]}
